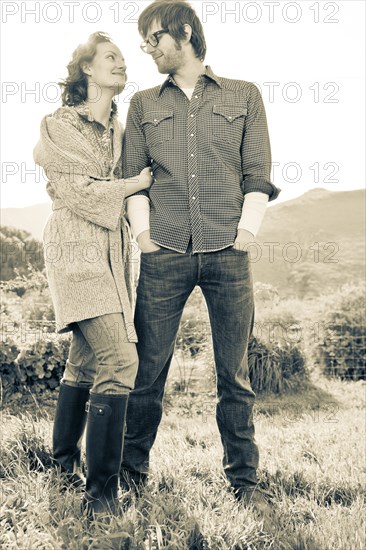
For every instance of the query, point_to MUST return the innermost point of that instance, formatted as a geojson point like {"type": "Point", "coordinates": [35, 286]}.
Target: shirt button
{"type": "Point", "coordinates": [193, 175]}
{"type": "Point", "coordinates": [192, 135]}
{"type": "Point", "coordinates": [230, 117]}
{"type": "Point", "coordinates": [194, 198]}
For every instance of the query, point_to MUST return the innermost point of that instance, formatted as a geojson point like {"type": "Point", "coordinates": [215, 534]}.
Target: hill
{"type": "Point", "coordinates": [313, 243]}
{"type": "Point", "coordinates": [306, 246]}
{"type": "Point", "coordinates": [31, 219]}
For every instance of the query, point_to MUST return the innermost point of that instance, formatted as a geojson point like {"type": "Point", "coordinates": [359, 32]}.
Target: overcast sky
{"type": "Point", "coordinates": [307, 58]}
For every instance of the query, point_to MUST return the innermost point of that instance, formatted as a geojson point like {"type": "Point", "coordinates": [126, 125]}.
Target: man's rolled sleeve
{"type": "Point", "coordinates": [256, 149]}
{"type": "Point", "coordinates": [138, 214]}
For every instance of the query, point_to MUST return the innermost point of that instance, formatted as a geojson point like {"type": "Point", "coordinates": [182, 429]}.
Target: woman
{"type": "Point", "coordinates": [86, 246]}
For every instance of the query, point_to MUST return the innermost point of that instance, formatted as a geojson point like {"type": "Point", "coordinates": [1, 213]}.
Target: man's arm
{"type": "Point", "coordinates": [138, 214]}
{"type": "Point", "coordinates": [136, 154]}
{"type": "Point", "coordinates": [256, 150]}
{"type": "Point", "coordinates": [252, 215]}
{"type": "Point", "coordinates": [256, 167]}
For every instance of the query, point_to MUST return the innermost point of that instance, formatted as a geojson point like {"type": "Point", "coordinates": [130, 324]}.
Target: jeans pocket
{"type": "Point", "coordinates": [238, 250]}
{"type": "Point", "coordinates": [145, 255]}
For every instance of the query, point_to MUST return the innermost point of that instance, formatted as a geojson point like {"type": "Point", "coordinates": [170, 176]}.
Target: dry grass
{"type": "Point", "coordinates": [312, 459]}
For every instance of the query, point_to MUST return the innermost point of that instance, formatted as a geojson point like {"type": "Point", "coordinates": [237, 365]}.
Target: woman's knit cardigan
{"type": "Point", "coordinates": [86, 239]}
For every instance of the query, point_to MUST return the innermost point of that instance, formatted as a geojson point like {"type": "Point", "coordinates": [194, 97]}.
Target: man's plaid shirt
{"type": "Point", "coordinates": [206, 154]}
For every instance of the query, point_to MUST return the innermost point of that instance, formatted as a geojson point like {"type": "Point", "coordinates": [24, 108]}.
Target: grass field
{"type": "Point", "coordinates": [312, 447]}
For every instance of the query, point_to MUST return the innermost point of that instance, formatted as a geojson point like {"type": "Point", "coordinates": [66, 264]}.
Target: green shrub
{"type": "Point", "coordinates": [42, 363]}
{"type": "Point", "coordinates": [38, 365]}
{"type": "Point", "coordinates": [17, 249]}
{"type": "Point", "coordinates": [193, 344]}
{"type": "Point", "coordinates": [275, 368]}
{"type": "Point", "coordinates": [192, 335]}
{"type": "Point", "coordinates": [265, 295]}
{"type": "Point", "coordinates": [8, 373]}
{"type": "Point", "coordinates": [275, 353]}
{"type": "Point", "coordinates": [33, 306]}
{"type": "Point", "coordinates": [37, 309]}
{"type": "Point", "coordinates": [194, 330]}
{"type": "Point", "coordinates": [342, 348]}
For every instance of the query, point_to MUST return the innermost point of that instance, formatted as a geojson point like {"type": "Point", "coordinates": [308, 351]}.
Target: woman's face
{"type": "Point", "coordinates": [108, 68]}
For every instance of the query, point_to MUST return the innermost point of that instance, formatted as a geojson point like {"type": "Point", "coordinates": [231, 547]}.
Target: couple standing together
{"type": "Point", "coordinates": [205, 140]}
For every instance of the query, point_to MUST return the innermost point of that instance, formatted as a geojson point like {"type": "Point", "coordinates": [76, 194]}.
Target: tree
{"type": "Point", "coordinates": [18, 249]}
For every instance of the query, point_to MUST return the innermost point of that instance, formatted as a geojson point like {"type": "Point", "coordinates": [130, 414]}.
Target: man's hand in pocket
{"type": "Point", "coordinates": [145, 243]}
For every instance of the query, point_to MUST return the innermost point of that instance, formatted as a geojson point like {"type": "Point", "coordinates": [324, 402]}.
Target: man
{"type": "Point", "coordinates": [207, 141]}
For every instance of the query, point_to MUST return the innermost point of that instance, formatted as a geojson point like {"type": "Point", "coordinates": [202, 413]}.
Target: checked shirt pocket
{"type": "Point", "coordinates": [228, 122]}
{"type": "Point", "coordinates": [158, 127]}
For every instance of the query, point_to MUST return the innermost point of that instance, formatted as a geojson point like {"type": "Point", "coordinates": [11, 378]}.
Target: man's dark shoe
{"type": "Point", "coordinates": [133, 481]}
{"type": "Point", "coordinates": [259, 501]}
{"type": "Point", "coordinates": [74, 481]}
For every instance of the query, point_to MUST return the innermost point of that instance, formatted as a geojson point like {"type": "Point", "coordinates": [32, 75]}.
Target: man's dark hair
{"type": "Point", "coordinates": [173, 15]}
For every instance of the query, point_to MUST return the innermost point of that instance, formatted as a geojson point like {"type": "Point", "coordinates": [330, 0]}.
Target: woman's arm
{"type": "Point", "coordinates": [65, 155]}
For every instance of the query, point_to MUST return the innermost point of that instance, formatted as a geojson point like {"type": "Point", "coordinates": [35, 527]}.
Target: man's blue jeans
{"type": "Point", "coordinates": [167, 278]}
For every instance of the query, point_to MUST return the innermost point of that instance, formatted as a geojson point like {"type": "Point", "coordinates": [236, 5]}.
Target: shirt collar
{"type": "Point", "coordinates": [209, 74]}
{"type": "Point", "coordinates": [83, 110]}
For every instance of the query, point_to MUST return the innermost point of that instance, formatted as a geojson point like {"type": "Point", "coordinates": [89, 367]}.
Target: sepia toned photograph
{"type": "Point", "coordinates": [183, 349]}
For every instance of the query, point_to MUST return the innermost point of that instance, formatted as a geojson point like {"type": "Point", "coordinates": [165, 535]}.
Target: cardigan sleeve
{"type": "Point", "coordinates": [97, 201]}
{"type": "Point", "coordinates": [96, 198]}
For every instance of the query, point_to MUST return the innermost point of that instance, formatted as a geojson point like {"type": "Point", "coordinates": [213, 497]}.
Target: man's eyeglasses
{"type": "Point", "coordinates": [153, 39]}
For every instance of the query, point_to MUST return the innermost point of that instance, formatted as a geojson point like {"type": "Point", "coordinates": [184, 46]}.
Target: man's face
{"type": "Point", "coordinates": [168, 56]}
